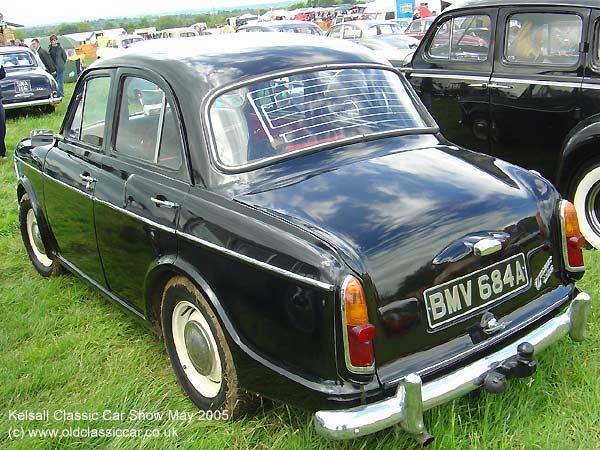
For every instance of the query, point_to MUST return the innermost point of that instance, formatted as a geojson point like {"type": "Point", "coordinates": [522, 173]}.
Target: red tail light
{"type": "Point", "coordinates": [358, 332]}
{"type": "Point", "coordinates": [573, 240]}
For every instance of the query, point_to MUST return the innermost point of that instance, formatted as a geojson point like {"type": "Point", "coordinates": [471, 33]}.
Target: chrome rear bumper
{"type": "Point", "coordinates": [413, 397]}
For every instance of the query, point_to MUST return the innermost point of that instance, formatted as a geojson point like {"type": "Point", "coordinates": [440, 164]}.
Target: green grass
{"type": "Point", "coordinates": [64, 346]}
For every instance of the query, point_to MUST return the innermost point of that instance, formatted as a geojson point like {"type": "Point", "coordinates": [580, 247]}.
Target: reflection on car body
{"type": "Point", "coordinates": [298, 228]}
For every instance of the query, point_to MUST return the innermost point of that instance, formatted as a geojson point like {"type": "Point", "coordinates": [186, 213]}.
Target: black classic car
{"type": "Point", "coordinates": [520, 79]}
{"type": "Point", "coordinates": [286, 214]}
{"type": "Point", "coordinates": [27, 83]}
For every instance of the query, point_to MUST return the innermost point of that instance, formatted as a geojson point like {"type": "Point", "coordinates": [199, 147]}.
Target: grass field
{"type": "Point", "coordinates": [64, 347]}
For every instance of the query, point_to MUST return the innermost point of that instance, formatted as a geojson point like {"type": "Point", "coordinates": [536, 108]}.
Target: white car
{"type": "Point", "coordinates": [114, 45]}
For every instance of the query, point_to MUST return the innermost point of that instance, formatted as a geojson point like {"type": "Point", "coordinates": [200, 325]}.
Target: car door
{"type": "Point", "coordinates": [451, 72]}
{"type": "Point", "coordinates": [146, 181]}
{"type": "Point", "coordinates": [590, 94]}
{"type": "Point", "coordinates": [535, 90]}
{"type": "Point", "coordinates": [73, 167]}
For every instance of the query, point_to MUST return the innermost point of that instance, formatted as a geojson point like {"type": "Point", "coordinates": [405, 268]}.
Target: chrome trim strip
{"type": "Point", "coordinates": [405, 408]}
{"type": "Point", "coordinates": [501, 80]}
{"type": "Point", "coordinates": [46, 101]}
{"type": "Point", "coordinates": [568, 84]}
{"type": "Point", "coordinates": [261, 264]}
{"type": "Point", "coordinates": [135, 216]}
{"type": "Point", "coordinates": [430, 129]}
{"type": "Point", "coordinates": [351, 367]}
{"type": "Point", "coordinates": [448, 76]}
{"type": "Point", "coordinates": [587, 85]}
{"type": "Point", "coordinates": [563, 237]}
{"type": "Point", "coordinates": [226, 251]}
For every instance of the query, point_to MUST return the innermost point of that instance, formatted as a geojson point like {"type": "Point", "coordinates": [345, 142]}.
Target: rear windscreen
{"type": "Point", "coordinates": [286, 114]}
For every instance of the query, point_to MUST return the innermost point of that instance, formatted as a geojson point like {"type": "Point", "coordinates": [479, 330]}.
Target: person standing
{"type": "Point", "coordinates": [2, 120]}
{"type": "Point", "coordinates": [44, 56]}
{"type": "Point", "coordinates": [59, 57]}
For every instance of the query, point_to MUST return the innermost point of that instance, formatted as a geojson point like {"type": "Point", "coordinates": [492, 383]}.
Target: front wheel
{"type": "Point", "coordinates": [46, 265]}
{"type": "Point", "coordinates": [586, 198]}
{"type": "Point", "coordinates": [198, 350]}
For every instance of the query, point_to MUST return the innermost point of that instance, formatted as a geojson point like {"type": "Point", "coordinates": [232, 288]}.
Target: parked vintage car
{"type": "Point", "coordinates": [27, 83]}
{"type": "Point", "coordinates": [285, 26]}
{"type": "Point", "coordinates": [419, 27]}
{"type": "Point", "coordinates": [396, 48]}
{"type": "Point", "coordinates": [297, 227]}
{"type": "Point", "coordinates": [364, 29]}
{"type": "Point", "coordinates": [528, 90]}
{"type": "Point", "coordinates": [113, 45]}
{"type": "Point", "coordinates": [183, 32]}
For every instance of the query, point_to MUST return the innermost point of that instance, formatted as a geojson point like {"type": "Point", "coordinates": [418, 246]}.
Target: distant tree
{"type": "Point", "coordinates": [19, 34]}
{"type": "Point", "coordinates": [142, 23]}
{"type": "Point", "coordinates": [67, 28]}
{"type": "Point", "coordinates": [297, 5]}
{"type": "Point", "coordinates": [109, 25]}
{"type": "Point", "coordinates": [167, 22]}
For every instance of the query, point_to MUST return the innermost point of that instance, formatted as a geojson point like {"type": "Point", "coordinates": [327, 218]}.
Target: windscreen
{"type": "Point", "coordinates": [16, 59]}
{"type": "Point", "coordinates": [287, 114]}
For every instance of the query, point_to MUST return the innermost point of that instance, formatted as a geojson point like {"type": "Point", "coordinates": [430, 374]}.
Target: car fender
{"type": "Point", "coordinates": [576, 149]}
{"type": "Point", "coordinates": [25, 187]}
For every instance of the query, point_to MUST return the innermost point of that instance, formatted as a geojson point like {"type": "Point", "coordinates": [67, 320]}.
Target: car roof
{"type": "Point", "coordinates": [219, 60]}
{"type": "Point", "coordinates": [488, 3]}
{"type": "Point", "coordinates": [14, 49]}
{"type": "Point", "coordinates": [367, 23]}
{"type": "Point", "coordinates": [278, 23]}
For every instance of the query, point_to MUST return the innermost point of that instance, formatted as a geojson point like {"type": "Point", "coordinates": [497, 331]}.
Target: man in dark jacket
{"type": "Point", "coordinates": [59, 57]}
{"type": "Point", "coordinates": [44, 56]}
{"type": "Point", "coordinates": [2, 120]}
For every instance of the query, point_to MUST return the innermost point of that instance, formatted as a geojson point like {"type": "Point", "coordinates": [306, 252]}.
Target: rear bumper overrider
{"type": "Point", "coordinates": [413, 396]}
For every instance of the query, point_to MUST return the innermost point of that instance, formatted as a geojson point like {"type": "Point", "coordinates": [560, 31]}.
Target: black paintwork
{"type": "Point", "coordinates": [398, 212]}
{"type": "Point", "coordinates": [538, 120]}
{"type": "Point", "coordinates": [43, 85]}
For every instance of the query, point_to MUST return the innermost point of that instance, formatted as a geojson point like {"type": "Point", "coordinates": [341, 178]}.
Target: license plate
{"type": "Point", "coordinates": [22, 86]}
{"type": "Point", "coordinates": [461, 296]}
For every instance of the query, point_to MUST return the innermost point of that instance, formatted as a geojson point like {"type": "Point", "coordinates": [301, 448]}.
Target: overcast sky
{"type": "Point", "coordinates": [57, 11]}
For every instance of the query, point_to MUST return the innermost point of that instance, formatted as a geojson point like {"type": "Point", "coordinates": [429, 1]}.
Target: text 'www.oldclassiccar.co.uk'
{"type": "Point", "coordinates": [59, 423]}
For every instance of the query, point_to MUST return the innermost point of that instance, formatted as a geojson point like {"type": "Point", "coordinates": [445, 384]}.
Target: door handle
{"type": "Point", "coordinates": [478, 85]}
{"type": "Point", "coordinates": [88, 179]}
{"type": "Point", "coordinates": [499, 86]}
{"type": "Point", "coordinates": [163, 203]}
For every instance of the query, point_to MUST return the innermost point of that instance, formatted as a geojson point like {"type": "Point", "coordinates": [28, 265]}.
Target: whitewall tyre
{"type": "Point", "coordinates": [199, 352]}
{"type": "Point", "coordinates": [586, 198]}
{"type": "Point", "coordinates": [45, 264]}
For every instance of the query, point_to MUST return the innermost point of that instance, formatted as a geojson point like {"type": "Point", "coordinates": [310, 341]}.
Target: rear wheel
{"type": "Point", "coordinates": [46, 265]}
{"type": "Point", "coordinates": [586, 198]}
{"type": "Point", "coordinates": [199, 352]}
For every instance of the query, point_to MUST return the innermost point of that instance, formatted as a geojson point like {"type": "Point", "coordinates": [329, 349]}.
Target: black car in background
{"type": "Point", "coordinates": [288, 216]}
{"type": "Point", "coordinates": [520, 79]}
{"type": "Point", "coordinates": [27, 83]}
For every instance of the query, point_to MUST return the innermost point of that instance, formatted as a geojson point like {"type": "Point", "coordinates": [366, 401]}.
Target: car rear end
{"type": "Point", "coordinates": [476, 315]}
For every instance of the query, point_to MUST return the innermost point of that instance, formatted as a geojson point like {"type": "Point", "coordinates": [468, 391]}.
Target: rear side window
{"type": "Point", "coordinates": [335, 32]}
{"type": "Point", "coordinates": [543, 38]}
{"type": "Point", "coordinates": [147, 128]}
{"type": "Point", "coordinates": [351, 32]}
{"type": "Point", "coordinates": [463, 38]}
{"type": "Point", "coordinates": [278, 116]}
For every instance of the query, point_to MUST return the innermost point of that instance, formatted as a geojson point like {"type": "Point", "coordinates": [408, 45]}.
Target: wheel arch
{"type": "Point", "coordinates": [579, 148]}
{"type": "Point", "coordinates": [164, 270]}
{"type": "Point", "coordinates": [25, 188]}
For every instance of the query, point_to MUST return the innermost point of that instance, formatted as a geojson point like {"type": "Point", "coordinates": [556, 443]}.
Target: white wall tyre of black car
{"type": "Point", "coordinates": [30, 232]}
{"type": "Point", "coordinates": [205, 370]}
{"type": "Point", "coordinates": [586, 199]}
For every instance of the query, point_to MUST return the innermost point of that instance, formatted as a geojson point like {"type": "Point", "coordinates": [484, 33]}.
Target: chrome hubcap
{"type": "Point", "coordinates": [198, 348]}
